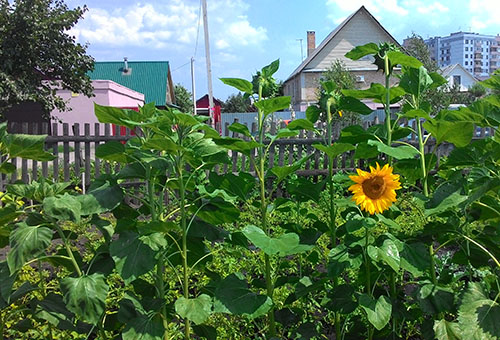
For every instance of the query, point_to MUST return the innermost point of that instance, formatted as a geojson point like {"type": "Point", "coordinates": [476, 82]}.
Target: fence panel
{"type": "Point", "coordinates": [76, 151]}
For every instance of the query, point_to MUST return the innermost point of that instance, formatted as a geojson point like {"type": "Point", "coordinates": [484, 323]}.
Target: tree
{"type": "Point", "coordinates": [339, 74]}
{"type": "Point", "coordinates": [344, 80]}
{"type": "Point", "coordinates": [416, 47]}
{"type": "Point", "coordinates": [38, 55]}
{"type": "Point", "coordinates": [183, 98]}
{"type": "Point", "coordinates": [238, 103]}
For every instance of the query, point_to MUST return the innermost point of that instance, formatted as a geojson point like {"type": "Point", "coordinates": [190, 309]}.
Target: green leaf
{"type": "Point", "coordinates": [240, 84]}
{"type": "Point", "coordinates": [301, 124]}
{"type": "Point", "coordinates": [27, 146]}
{"type": "Point", "coordinates": [343, 299]}
{"type": "Point", "coordinates": [364, 151]}
{"type": "Point", "coordinates": [334, 150]}
{"type": "Point", "coordinates": [445, 197]}
{"type": "Point", "coordinates": [340, 259]}
{"type": "Point", "coordinates": [361, 51]}
{"type": "Point", "coordinates": [271, 105]}
{"type": "Point", "coordinates": [436, 299]}
{"type": "Point", "coordinates": [6, 283]}
{"type": "Point", "coordinates": [233, 295]}
{"type": "Point", "coordinates": [240, 128]}
{"type": "Point", "coordinates": [196, 309]}
{"type": "Point", "coordinates": [26, 243]}
{"type": "Point", "coordinates": [400, 152]}
{"type": "Point", "coordinates": [8, 213]}
{"type": "Point", "coordinates": [351, 104]}
{"type": "Point", "coordinates": [85, 296]}
{"type": "Point", "coordinates": [113, 115]}
{"type": "Point", "coordinates": [237, 144]}
{"type": "Point", "coordinates": [416, 114]}
{"type": "Point", "coordinates": [415, 81]}
{"type": "Point", "coordinates": [377, 92]}
{"type": "Point", "coordinates": [286, 244]}
{"type": "Point", "coordinates": [415, 258]}
{"type": "Point", "coordinates": [437, 80]}
{"type": "Point", "coordinates": [132, 256]}
{"type": "Point", "coordinates": [63, 207]}
{"type": "Point", "coordinates": [478, 315]}
{"type": "Point", "coordinates": [144, 327]}
{"type": "Point", "coordinates": [7, 168]}
{"type": "Point", "coordinates": [378, 311]}
{"type": "Point", "coordinates": [399, 58]}
{"type": "Point", "coordinates": [204, 331]}
{"type": "Point", "coordinates": [240, 185]}
{"type": "Point", "coordinates": [455, 132]}
{"type": "Point", "coordinates": [312, 113]}
{"type": "Point", "coordinates": [112, 151]}
{"type": "Point", "coordinates": [218, 211]}
{"type": "Point", "coordinates": [283, 172]}
{"type": "Point", "coordinates": [446, 330]}
{"type": "Point", "coordinates": [100, 199]}
{"type": "Point", "coordinates": [269, 70]}
{"type": "Point", "coordinates": [387, 253]}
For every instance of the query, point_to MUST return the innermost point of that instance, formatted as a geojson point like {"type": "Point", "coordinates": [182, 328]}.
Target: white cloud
{"type": "Point", "coordinates": [434, 8]}
{"type": "Point", "coordinates": [374, 6]}
{"type": "Point", "coordinates": [484, 14]}
{"type": "Point", "coordinates": [174, 25]}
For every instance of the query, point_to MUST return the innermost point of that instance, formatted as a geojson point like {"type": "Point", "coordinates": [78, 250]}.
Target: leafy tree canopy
{"type": "Point", "coordinates": [38, 54]}
{"type": "Point", "coordinates": [183, 98]}
{"type": "Point", "coordinates": [238, 103]}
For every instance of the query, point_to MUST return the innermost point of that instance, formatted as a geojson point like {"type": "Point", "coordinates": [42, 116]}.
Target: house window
{"type": "Point", "coordinates": [466, 63]}
{"type": "Point", "coordinates": [456, 80]}
{"type": "Point", "coordinates": [466, 48]}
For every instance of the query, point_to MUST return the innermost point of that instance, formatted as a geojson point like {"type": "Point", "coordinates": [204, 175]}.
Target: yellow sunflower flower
{"type": "Point", "coordinates": [375, 191]}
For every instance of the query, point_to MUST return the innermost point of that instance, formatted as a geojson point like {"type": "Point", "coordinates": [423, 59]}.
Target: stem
{"type": "Point", "coordinates": [394, 299]}
{"type": "Point", "coordinates": [160, 268]}
{"type": "Point", "coordinates": [388, 105]}
{"type": "Point", "coordinates": [333, 227]}
{"type": "Point", "coordinates": [68, 250]}
{"type": "Point", "coordinates": [263, 211]}
{"type": "Point", "coordinates": [151, 194]}
{"type": "Point", "coordinates": [187, 330]}
{"type": "Point", "coordinates": [422, 158]}
{"type": "Point", "coordinates": [433, 265]}
{"type": "Point", "coordinates": [368, 280]}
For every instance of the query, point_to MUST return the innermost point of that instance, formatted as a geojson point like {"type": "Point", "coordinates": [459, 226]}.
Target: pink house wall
{"type": "Point", "coordinates": [106, 92]}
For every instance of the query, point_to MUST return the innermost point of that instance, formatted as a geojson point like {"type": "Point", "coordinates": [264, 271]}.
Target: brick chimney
{"type": "Point", "coordinates": [311, 42]}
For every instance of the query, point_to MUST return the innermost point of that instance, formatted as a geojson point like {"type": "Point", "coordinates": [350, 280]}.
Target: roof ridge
{"type": "Point", "coordinates": [331, 35]}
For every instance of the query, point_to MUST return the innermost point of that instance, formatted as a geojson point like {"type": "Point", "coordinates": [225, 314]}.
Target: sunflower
{"type": "Point", "coordinates": [375, 191]}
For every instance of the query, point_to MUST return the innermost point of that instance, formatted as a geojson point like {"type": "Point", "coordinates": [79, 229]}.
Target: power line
{"type": "Point", "coordinates": [181, 66]}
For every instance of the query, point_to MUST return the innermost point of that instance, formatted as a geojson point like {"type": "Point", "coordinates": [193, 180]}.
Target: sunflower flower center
{"type": "Point", "coordinates": [374, 187]}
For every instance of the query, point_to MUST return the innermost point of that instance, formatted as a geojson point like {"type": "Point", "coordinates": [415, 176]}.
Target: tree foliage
{"type": "Point", "coordinates": [238, 103]}
{"type": "Point", "coordinates": [183, 98]}
{"type": "Point", "coordinates": [38, 54]}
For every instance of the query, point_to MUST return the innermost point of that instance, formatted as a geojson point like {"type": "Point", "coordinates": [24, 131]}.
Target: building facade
{"type": "Point", "coordinates": [359, 28]}
{"type": "Point", "coordinates": [477, 53]}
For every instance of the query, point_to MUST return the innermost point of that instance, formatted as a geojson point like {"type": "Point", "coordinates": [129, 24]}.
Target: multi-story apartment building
{"type": "Point", "coordinates": [477, 53]}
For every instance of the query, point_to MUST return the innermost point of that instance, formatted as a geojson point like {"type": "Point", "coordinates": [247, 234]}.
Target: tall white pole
{"type": "Point", "coordinates": [193, 87]}
{"type": "Point", "coordinates": [209, 66]}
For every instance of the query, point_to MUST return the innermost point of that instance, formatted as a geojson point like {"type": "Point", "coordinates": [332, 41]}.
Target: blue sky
{"type": "Point", "coordinates": [248, 34]}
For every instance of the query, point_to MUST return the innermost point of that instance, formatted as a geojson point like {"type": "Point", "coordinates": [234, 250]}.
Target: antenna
{"type": "Point", "coordinates": [301, 49]}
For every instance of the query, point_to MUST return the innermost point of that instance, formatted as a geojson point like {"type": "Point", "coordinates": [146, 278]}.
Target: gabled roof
{"type": "Point", "coordinates": [332, 35]}
{"type": "Point", "coordinates": [448, 71]}
{"type": "Point", "coordinates": [147, 77]}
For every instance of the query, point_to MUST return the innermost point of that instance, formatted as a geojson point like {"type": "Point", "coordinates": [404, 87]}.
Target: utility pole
{"type": "Point", "coordinates": [193, 87]}
{"type": "Point", "coordinates": [301, 50]}
{"type": "Point", "coordinates": [209, 66]}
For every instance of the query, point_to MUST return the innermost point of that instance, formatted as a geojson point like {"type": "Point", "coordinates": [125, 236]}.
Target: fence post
{"type": "Point", "coordinates": [24, 161]}
{"type": "Point", "coordinates": [45, 165]}
{"type": "Point", "coordinates": [66, 152]}
{"type": "Point", "coordinates": [55, 150]}
{"type": "Point", "coordinates": [87, 155]}
{"type": "Point", "coordinates": [97, 164]}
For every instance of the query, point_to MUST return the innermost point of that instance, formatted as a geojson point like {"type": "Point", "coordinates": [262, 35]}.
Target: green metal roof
{"type": "Point", "coordinates": [147, 77]}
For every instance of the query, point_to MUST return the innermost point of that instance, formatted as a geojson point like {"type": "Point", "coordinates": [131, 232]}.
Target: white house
{"type": "Point", "coordinates": [457, 75]}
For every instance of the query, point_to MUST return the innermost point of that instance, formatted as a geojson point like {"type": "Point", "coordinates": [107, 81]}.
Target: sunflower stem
{"type": "Point", "coordinates": [388, 105]}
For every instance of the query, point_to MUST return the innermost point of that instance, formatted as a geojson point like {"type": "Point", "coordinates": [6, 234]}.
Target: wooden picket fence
{"type": "Point", "coordinates": [75, 159]}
